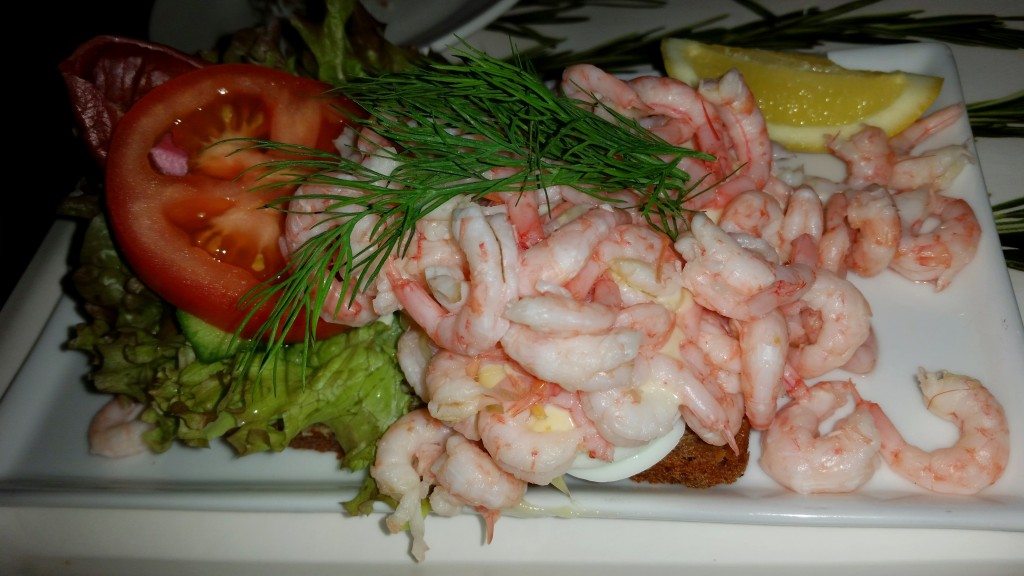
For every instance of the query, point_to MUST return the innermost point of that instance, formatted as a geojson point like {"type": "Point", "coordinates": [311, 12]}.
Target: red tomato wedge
{"type": "Point", "coordinates": [184, 212]}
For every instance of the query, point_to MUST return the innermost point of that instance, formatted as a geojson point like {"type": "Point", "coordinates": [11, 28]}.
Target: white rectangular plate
{"type": "Point", "coordinates": [973, 327]}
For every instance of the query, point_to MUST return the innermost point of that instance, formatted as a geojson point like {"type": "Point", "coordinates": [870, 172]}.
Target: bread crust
{"type": "Point", "coordinates": [697, 464]}
{"type": "Point", "coordinates": [692, 463]}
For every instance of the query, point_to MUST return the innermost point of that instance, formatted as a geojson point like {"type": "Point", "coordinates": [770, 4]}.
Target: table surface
{"type": "Point", "coordinates": [98, 541]}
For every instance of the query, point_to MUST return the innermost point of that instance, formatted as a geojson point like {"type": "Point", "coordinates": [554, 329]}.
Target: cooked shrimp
{"type": "Point", "coordinates": [872, 158]}
{"type": "Point", "coordinates": [868, 157]}
{"type": "Point", "coordinates": [834, 247]}
{"type": "Point", "coordinates": [314, 209]}
{"type": "Point", "coordinates": [703, 339]}
{"type": "Point", "coordinates": [803, 250]}
{"type": "Point", "coordinates": [413, 352]}
{"type": "Point", "coordinates": [490, 252]}
{"type": "Point", "coordinates": [674, 99]}
{"type": "Point", "coordinates": [940, 254]}
{"type": "Point", "coordinates": [374, 146]}
{"type": "Point", "coordinates": [778, 189]}
{"type": "Point", "coordinates": [875, 222]}
{"type": "Point", "coordinates": [452, 390]}
{"type": "Point", "coordinates": [593, 444]}
{"type": "Point", "coordinates": [465, 474]}
{"type": "Point", "coordinates": [589, 84]}
{"type": "Point", "coordinates": [914, 207]}
{"type": "Point", "coordinates": [405, 454]}
{"type": "Point", "coordinates": [636, 415]}
{"type": "Point", "coordinates": [653, 321]}
{"type": "Point", "coordinates": [561, 315]}
{"type": "Point", "coordinates": [823, 187]}
{"type": "Point", "coordinates": [760, 248]}
{"type": "Point", "coordinates": [433, 258]}
{"type": "Point", "coordinates": [556, 200]}
{"type": "Point", "coordinates": [764, 343]}
{"type": "Point", "coordinates": [865, 358]}
{"type": "Point", "coordinates": [731, 280]}
{"type": "Point", "coordinates": [560, 256]}
{"type": "Point", "coordinates": [642, 263]}
{"type": "Point", "coordinates": [926, 127]}
{"type": "Point", "coordinates": [977, 459]}
{"type": "Point", "coordinates": [745, 124]}
{"type": "Point", "coordinates": [701, 406]}
{"type": "Point", "coordinates": [804, 216]}
{"type": "Point", "coordinates": [580, 362]}
{"type": "Point", "coordinates": [717, 341]}
{"type": "Point", "coordinates": [536, 445]}
{"type": "Point", "coordinates": [712, 355]}
{"type": "Point", "coordinates": [934, 169]}
{"type": "Point", "coordinates": [797, 456]}
{"type": "Point", "coordinates": [757, 214]}
{"type": "Point", "coordinates": [732, 404]}
{"type": "Point", "coordinates": [787, 169]}
{"type": "Point", "coordinates": [845, 317]}
{"type": "Point", "coordinates": [522, 207]}
{"type": "Point", "coordinates": [116, 431]}
{"type": "Point", "coordinates": [524, 213]}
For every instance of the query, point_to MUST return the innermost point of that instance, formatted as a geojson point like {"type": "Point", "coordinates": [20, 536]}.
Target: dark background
{"type": "Point", "coordinates": [49, 157]}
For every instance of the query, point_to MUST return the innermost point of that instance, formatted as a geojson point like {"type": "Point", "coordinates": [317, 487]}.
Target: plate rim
{"type": "Point", "coordinates": [142, 497]}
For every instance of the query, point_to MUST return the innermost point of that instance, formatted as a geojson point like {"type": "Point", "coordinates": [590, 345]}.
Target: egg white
{"type": "Point", "coordinates": [627, 460]}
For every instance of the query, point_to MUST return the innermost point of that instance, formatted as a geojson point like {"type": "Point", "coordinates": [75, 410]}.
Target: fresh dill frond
{"type": "Point", "coordinates": [454, 126]}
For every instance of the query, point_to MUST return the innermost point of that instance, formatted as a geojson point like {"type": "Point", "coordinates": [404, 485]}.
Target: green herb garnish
{"type": "Point", "coordinates": [1009, 217]}
{"type": "Point", "coordinates": [795, 30]}
{"type": "Point", "coordinates": [999, 116]}
{"type": "Point", "coordinates": [519, 123]}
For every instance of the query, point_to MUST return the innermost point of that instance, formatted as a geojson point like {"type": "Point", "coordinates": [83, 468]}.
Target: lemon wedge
{"type": "Point", "coordinates": [805, 98]}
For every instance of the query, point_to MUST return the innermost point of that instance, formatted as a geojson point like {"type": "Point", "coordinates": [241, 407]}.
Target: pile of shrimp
{"type": "Point", "coordinates": [549, 324]}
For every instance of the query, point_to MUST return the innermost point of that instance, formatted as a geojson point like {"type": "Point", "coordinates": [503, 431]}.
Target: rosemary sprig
{"type": "Point", "coordinates": [521, 20]}
{"type": "Point", "coordinates": [1009, 217]}
{"type": "Point", "coordinates": [999, 117]}
{"type": "Point", "coordinates": [517, 123]}
{"type": "Point", "coordinates": [798, 29]}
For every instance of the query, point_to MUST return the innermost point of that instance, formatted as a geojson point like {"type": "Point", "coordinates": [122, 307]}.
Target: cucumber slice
{"type": "Point", "coordinates": [209, 342]}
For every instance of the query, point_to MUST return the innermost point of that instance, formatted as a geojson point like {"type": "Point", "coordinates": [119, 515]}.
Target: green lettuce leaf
{"type": "Point", "coordinates": [350, 383]}
{"type": "Point", "coordinates": [332, 40]}
{"type": "Point", "coordinates": [347, 42]}
{"type": "Point", "coordinates": [130, 333]}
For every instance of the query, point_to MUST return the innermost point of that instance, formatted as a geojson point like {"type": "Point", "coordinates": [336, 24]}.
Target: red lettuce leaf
{"type": "Point", "coordinates": [108, 74]}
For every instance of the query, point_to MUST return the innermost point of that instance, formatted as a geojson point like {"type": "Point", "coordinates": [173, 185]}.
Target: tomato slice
{"type": "Point", "coordinates": [185, 214]}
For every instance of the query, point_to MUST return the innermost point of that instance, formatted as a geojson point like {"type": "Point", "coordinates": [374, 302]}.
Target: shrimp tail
{"type": "Point", "coordinates": [892, 441]}
{"type": "Point", "coordinates": [730, 439]}
{"type": "Point", "coordinates": [796, 388]}
{"type": "Point", "coordinates": [409, 515]}
{"type": "Point", "coordinates": [490, 519]}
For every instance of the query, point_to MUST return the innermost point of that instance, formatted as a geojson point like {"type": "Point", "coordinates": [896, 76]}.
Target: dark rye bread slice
{"type": "Point", "coordinates": [317, 437]}
{"type": "Point", "coordinates": [697, 464]}
{"type": "Point", "coordinates": [693, 462]}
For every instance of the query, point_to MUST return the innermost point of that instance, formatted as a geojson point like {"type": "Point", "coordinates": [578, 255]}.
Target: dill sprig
{"type": "Point", "coordinates": [1009, 218]}
{"type": "Point", "coordinates": [1000, 117]}
{"type": "Point", "coordinates": [795, 30]}
{"type": "Point", "coordinates": [516, 123]}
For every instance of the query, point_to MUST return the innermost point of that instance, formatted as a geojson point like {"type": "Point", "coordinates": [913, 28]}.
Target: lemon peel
{"type": "Point", "coordinates": [807, 99]}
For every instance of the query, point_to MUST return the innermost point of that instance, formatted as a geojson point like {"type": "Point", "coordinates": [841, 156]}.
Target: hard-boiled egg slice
{"type": "Point", "coordinates": [627, 461]}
